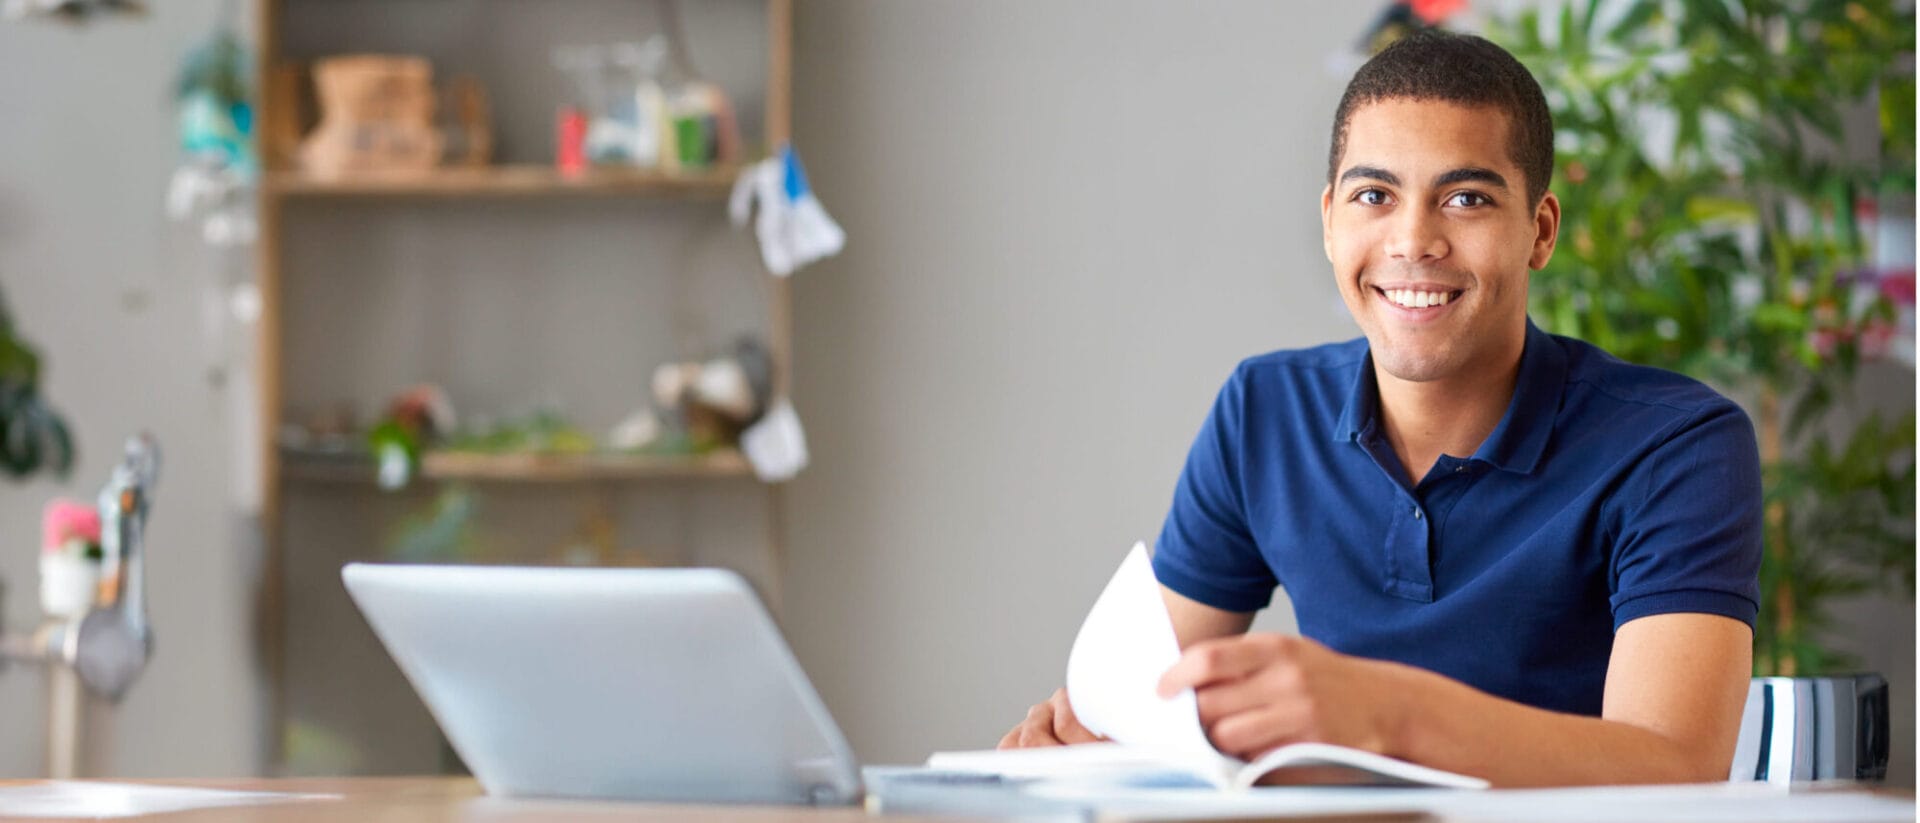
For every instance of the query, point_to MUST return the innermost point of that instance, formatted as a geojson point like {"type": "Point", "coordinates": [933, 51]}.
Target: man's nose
{"type": "Point", "coordinates": [1417, 236]}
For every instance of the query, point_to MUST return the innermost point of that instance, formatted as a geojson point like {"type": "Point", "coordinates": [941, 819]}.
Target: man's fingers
{"type": "Point", "coordinates": [1249, 734]}
{"type": "Point", "coordinates": [1226, 658]}
{"type": "Point", "coordinates": [1051, 723]}
{"type": "Point", "coordinates": [1222, 700]}
{"type": "Point", "coordinates": [1036, 730]}
{"type": "Point", "coordinates": [1034, 736]}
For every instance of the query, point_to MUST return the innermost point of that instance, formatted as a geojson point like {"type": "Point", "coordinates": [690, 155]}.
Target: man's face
{"type": "Point", "coordinates": [1431, 237]}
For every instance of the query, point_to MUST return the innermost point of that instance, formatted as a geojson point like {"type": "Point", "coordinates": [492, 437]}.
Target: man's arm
{"type": "Point", "coordinates": [1676, 684]}
{"type": "Point", "coordinates": [1194, 621]}
{"type": "Point", "coordinates": [1051, 723]}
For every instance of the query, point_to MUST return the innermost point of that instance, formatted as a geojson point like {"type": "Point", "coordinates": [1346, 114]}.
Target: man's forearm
{"type": "Point", "coordinates": [1448, 725]}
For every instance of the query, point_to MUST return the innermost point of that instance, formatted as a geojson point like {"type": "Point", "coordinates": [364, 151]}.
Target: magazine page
{"type": "Point", "coordinates": [1368, 768]}
{"type": "Point", "coordinates": [1124, 646]}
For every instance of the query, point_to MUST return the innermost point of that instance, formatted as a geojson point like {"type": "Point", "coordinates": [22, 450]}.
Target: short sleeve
{"type": "Point", "coordinates": [1206, 551]}
{"type": "Point", "coordinates": [1690, 536]}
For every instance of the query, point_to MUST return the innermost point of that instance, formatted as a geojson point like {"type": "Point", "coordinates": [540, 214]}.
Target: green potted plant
{"type": "Point", "coordinates": [1715, 163]}
{"type": "Point", "coordinates": [32, 435]}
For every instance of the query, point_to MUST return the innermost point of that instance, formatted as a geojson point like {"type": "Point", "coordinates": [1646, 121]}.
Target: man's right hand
{"type": "Point", "coordinates": [1049, 724]}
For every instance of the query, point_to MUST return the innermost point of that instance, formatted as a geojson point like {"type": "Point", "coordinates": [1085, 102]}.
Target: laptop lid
{"type": "Point", "coordinates": [637, 684]}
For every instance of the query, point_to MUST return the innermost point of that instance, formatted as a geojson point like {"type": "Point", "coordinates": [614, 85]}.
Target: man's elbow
{"type": "Point", "coordinates": [1702, 771]}
{"type": "Point", "coordinates": [1694, 761]}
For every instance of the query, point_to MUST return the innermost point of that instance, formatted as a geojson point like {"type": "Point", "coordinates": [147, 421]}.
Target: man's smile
{"type": "Point", "coordinates": [1416, 301]}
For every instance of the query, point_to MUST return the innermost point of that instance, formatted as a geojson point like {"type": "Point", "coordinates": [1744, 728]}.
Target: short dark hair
{"type": "Point", "coordinates": [1431, 64]}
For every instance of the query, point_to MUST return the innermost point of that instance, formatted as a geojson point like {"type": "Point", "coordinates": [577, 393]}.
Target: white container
{"type": "Point", "coordinates": [68, 582]}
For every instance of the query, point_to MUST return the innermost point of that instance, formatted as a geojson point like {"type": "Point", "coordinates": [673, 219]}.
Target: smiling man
{"type": "Point", "coordinates": [1510, 554]}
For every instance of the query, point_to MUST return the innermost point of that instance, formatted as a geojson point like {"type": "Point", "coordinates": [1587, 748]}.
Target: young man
{"type": "Point", "coordinates": [1511, 555]}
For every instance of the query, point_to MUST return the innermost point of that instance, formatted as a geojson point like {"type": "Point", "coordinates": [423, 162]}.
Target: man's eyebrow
{"type": "Point", "coordinates": [1370, 173]}
{"type": "Point", "coordinates": [1471, 174]}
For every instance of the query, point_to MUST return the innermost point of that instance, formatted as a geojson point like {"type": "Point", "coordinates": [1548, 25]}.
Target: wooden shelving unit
{"type": "Point", "coordinates": [447, 466]}
{"type": "Point", "coordinates": [520, 180]}
{"type": "Point", "coordinates": [288, 194]}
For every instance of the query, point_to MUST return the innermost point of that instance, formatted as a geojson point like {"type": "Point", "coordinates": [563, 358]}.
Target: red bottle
{"type": "Point", "coordinates": [571, 150]}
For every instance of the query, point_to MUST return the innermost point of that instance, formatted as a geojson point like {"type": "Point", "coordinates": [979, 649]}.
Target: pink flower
{"type": "Point", "coordinates": [1824, 342]}
{"type": "Point", "coordinates": [1433, 12]}
{"type": "Point", "coordinates": [1876, 338]}
{"type": "Point", "coordinates": [66, 519]}
{"type": "Point", "coordinates": [1897, 286]}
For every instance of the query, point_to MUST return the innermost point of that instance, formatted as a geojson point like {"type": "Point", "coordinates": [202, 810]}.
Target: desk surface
{"type": "Point", "coordinates": [454, 799]}
{"type": "Point", "coordinates": [459, 799]}
{"type": "Point", "coordinates": [451, 800]}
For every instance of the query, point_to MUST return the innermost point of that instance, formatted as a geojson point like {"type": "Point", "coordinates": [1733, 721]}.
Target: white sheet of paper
{"type": "Point", "coordinates": [64, 798]}
{"type": "Point", "coordinates": [1717, 802]}
{"type": "Point", "coordinates": [1745, 802]}
{"type": "Point", "coordinates": [1124, 646]}
{"type": "Point", "coordinates": [1095, 760]}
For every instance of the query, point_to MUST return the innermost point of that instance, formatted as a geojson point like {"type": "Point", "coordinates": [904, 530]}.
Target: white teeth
{"type": "Point", "coordinates": [1418, 299]}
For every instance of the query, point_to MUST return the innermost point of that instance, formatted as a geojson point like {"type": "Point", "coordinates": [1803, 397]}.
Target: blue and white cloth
{"type": "Point", "coordinates": [794, 229]}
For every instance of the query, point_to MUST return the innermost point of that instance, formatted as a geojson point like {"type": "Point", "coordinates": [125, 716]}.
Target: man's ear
{"type": "Point", "coordinates": [1326, 221]}
{"type": "Point", "coordinates": [1546, 223]}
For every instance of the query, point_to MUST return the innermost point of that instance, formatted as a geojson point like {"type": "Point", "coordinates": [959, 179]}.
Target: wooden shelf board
{"type": "Point", "coordinates": [526, 468]}
{"type": "Point", "coordinates": [562, 468]}
{"type": "Point", "coordinates": [508, 181]}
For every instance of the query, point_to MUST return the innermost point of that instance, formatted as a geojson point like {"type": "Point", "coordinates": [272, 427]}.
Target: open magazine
{"type": "Point", "coordinates": [1124, 646]}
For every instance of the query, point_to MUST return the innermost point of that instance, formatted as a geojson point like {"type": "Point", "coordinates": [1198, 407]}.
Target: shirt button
{"type": "Point", "coordinates": [1417, 514]}
{"type": "Point", "coordinates": [1460, 468]}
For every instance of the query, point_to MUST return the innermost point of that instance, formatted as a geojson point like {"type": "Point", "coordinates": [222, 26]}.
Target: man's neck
{"type": "Point", "coordinates": [1451, 416]}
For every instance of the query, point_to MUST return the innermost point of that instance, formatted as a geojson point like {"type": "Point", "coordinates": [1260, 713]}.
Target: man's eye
{"type": "Point", "coordinates": [1469, 199]}
{"type": "Point", "coordinates": [1371, 197]}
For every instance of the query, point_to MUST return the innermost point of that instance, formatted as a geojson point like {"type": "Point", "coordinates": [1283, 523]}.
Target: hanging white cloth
{"type": "Point", "coordinates": [793, 227]}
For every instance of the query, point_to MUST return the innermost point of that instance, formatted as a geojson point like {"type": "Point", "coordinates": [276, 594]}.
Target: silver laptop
{"type": "Point", "coordinates": [633, 684]}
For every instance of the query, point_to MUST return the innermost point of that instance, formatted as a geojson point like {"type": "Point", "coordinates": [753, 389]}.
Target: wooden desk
{"type": "Point", "coordinates": [456, 800]}
{"type": "Point", "coordinates": [451, 800]}
{"type": "Point", "coordinates": [459, 799]}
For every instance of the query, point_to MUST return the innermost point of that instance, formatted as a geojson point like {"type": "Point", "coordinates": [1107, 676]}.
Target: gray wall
{"type": "Point", "coordinates": [112, 293]}
{"type": "Point", "coordinates": [1067, 225]}
{"type": "Point", "coordinates": [1067, 222]}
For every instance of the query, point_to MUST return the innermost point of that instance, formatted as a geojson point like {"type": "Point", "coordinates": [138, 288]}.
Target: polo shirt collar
{"type": "Point", "coordinates": [1357, 417]}
{"type": "Point", "coordinates": [1517, 443]}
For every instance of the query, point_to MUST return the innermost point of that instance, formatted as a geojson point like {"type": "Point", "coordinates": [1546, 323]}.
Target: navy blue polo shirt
{"type": "Point", "coordinates": [1608, 492]}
